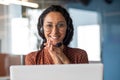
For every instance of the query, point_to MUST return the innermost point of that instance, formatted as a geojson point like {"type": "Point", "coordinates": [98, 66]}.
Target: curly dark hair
{"type": "Point", "coordinates": [63, 11]}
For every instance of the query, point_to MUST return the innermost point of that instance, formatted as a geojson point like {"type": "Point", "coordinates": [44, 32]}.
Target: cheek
{"type": "Point", "coordinates": [63, 33]}
{"type": "Point", "coordinates": [46, 34]}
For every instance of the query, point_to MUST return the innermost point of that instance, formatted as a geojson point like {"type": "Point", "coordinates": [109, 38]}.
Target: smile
{"type": "Point", "coordinates": [54, 37]}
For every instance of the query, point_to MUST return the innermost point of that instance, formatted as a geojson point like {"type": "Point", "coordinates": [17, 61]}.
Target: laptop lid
{"type": "Point", "coordinates": [57, 72]}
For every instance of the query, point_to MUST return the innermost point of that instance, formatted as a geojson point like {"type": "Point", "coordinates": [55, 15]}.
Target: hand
{"type": "Point", "coordinates": [56, 53]}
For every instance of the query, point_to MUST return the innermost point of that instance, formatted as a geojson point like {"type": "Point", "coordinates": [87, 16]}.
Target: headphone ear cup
{"type": "Point", "coordinates": [41, 31]}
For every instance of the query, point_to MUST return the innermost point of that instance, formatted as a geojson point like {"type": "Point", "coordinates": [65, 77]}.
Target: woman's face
{"type": "Point", "coordinates": [54, 27]}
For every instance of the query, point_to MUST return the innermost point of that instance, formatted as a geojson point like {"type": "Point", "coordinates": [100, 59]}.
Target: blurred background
{"type": "Point", "coordinates": [96, 30]}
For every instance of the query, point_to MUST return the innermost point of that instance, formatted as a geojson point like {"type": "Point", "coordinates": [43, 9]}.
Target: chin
{"type": "Point", "coordinates": [56, 42]}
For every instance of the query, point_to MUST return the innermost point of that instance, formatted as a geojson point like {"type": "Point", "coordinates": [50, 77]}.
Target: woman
{"type": "Point", "coordinates": [56, 29]}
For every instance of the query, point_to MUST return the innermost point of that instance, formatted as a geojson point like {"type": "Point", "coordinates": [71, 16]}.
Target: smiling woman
{"type": "Point", "coordinates": [55, 27]}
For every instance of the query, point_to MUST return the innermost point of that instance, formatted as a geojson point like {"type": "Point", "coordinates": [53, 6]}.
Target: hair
{"type": "Point", "coordinates": [63, 11]}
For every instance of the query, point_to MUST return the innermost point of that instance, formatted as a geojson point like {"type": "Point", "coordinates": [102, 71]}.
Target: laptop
{"type": "Point", "coordinates": [57, 72]}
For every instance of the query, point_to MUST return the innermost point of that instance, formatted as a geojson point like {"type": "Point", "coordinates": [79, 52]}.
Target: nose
{"type": "Point", "coordinates": [55, 30]}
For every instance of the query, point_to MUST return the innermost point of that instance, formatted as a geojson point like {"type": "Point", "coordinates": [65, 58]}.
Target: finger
{"type": "Point", "coordinates": [51, 47]}
{"type": "Point", "coordinates": [49, 43]}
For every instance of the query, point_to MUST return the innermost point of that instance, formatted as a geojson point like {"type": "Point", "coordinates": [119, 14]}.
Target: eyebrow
{"type": "Point", "coordinates": [58, 22]}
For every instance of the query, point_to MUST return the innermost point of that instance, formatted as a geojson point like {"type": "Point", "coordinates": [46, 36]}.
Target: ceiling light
{"type": "Point", "coordinates": [23, 3]}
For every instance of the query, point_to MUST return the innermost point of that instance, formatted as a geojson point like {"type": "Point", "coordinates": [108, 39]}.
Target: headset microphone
{"type": "Point", "coordinates": [58, 44]}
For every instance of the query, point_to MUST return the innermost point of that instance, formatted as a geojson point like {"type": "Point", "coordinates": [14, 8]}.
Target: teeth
{"type": "Point", "coordinates": [54, 37]}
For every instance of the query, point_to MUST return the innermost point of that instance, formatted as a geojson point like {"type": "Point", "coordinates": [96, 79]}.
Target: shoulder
{"type": "Point", "coordinates": [79, 55]}
{"type": "Point", "coordinates": [77, 51]}
{"type": "Point", "coordinates": [30, 58]}
{"type": "Point", "coordinates": [31, 54]}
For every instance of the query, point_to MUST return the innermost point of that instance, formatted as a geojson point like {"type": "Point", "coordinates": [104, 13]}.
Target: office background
{"type": "Point", "coordinates": [108, 19]}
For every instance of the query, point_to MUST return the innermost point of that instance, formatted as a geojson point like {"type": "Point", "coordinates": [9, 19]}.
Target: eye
{"type": "Point", "coordinates": [60, 25]}
{"type": "Point", "coordinates": [49, 25]}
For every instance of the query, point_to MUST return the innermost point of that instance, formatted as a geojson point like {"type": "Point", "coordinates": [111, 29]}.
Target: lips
{"type": "Point", "coordinates": [54, 37]}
